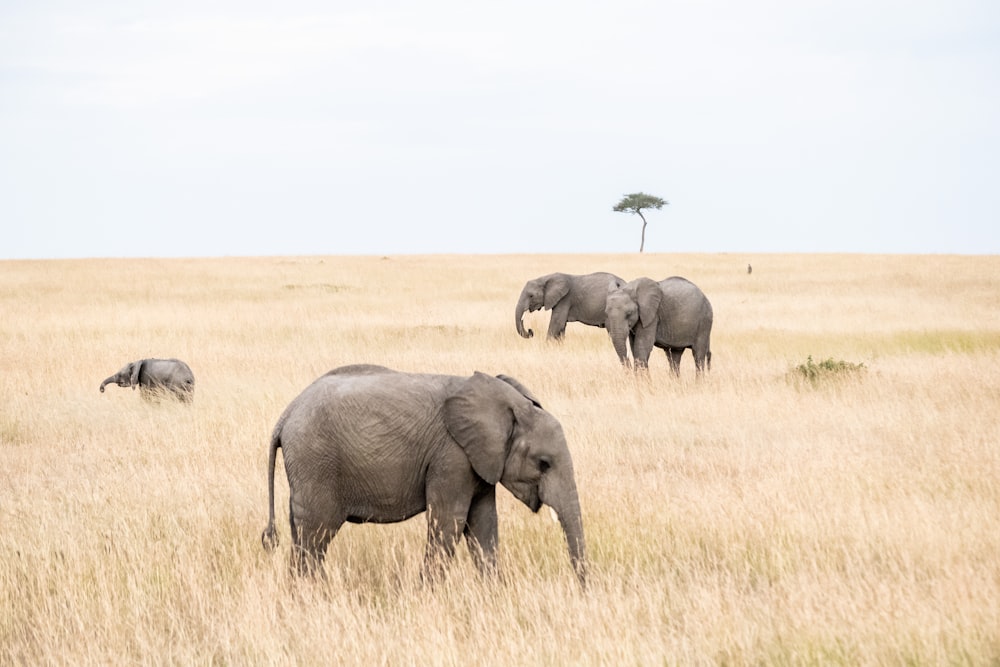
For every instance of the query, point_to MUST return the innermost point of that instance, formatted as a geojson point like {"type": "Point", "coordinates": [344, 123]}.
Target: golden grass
{"type": "Point", "coordinates": [746, 519]}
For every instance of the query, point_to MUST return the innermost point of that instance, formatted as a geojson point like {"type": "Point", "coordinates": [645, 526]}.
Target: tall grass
{"type": "Point", "coordinates": [739, 519]}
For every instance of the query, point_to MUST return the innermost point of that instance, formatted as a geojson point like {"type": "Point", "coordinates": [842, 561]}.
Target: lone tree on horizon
{"type": "Point", "coordinates": [634, 203]}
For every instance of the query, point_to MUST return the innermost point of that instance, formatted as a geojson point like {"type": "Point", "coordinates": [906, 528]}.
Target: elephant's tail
{"type": "Point", "coordinates": [269, 538]}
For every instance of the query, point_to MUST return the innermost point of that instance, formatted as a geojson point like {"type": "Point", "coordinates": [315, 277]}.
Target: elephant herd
{"type": "Point", "coordinates": [368, 444]}
{"type": "Point", "coordinates": [672, 314]}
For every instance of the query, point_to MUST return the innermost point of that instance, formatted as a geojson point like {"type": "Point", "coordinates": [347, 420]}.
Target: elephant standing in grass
{"type": "Point", "coordinates": [156, 377]}
{"type": "Point", "coordinates": [570, 298]}
{"type": "Point", "coordinates": [673, 314]}
{"type": "Point", "coordinates": [366, 444]}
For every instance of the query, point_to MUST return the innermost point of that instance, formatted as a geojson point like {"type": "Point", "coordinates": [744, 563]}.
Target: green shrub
{"type": "Point", "coordinates": [830, 368]}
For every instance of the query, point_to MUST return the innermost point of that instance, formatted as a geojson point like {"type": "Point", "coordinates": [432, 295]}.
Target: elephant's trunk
{"type": "Point", "coordinates": [564, 500]}
{"type": "Point", "coordinates": [110, 380]}
{"type": "Point", "coordinates": [619, 334]}
{"type": "Point", "coordinates": [522, 305]}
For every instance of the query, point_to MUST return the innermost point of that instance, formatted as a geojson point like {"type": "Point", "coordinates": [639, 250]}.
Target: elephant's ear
{"type": "Point", "coordinates": [556, 287]}
{"type": "Point", "coordinates": [648, 295]}
{"type": "Point", "coordinates": [521, 388]}
{"type": "Point", "coordinates": [481, 419]}
{"type": "Point", "coordinates": [134, 378]}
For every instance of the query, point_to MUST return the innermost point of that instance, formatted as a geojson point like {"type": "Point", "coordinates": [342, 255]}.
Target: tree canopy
{"type": "Point", "coordinates": [634, 203]}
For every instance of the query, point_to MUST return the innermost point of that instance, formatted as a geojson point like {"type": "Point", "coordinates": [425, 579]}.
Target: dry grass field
{"type": "Point", "coordinates": [753, 517]}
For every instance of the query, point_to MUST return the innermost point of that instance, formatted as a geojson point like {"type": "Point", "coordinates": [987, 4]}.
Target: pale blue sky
{"type": "Point", "coordinates": [155, 128]}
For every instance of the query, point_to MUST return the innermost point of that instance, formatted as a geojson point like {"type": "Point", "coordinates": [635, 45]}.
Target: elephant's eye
{"type": "Point", "coordinates": [544, 464]}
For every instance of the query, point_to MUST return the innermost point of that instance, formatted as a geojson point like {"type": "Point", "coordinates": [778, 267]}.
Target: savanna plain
{"type": "Point", "coordinates": [780, 510]}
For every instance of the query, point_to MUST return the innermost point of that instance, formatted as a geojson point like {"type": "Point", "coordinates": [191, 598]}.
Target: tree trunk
{"type": "Point", "coordinates": [643, 243]}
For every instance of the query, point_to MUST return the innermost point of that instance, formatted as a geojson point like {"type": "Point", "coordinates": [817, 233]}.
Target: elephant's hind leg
{"type": "Point", "coordinates": [674, 354]}
{"type": "Point", "coordinates": [309, 543]}
{"type": "Point", "coordinates": [702, 361]}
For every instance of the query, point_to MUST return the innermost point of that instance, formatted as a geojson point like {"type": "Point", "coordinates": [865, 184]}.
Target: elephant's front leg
{"type": "Point", "coordinates": [443, 530]}
{"type": "Point", "coordinates": [450, 491]}
{"type": "Point", "coordinates": [481, 531]}
{"type": "Point", "coordinates": [642, 340]}
{"type": "Point", "coordinates": [557, 323]}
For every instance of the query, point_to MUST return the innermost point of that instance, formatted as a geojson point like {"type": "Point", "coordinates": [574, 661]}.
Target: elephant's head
{"type": "Point", "coordinates": [544, 292]}
{"type": "Point", "coordinates": [634, 304]}
{"type": "Point", "coordinates": [128, 376]}
{"type": "Point", "coordinates": [510, 439]}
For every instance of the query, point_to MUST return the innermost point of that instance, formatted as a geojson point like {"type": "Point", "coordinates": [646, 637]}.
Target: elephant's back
{"type": "Point", "coordinates": [174, 368]}
{"type": "Point", "coordinates": [679, 285]}
{"type": "Point", "coordinates": [684, 292]}
{"type": "Point", "coordinates": [360, 440]}
{"type": "Point", "coordinates": [362, 411]}
{"type": "Point", "coordinates": [601, 280]}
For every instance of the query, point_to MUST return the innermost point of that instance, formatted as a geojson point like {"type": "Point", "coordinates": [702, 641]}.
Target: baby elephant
{"type": "Point", "coordinates": [156, 377]}
{"type": "Point", "coordinates": [673, 315]}
{"type": "Point", "coordinates": [366, 444]}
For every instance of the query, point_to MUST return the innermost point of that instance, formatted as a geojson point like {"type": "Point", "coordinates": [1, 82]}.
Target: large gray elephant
{"type": "Point", "coordinates": [673, 314]}
{"type": "Point", "coordinates": [155, 378]}
{"type": "Point", "coordinates": [368, 444]}
{"type": "Point", "coordinates": [571, 298]}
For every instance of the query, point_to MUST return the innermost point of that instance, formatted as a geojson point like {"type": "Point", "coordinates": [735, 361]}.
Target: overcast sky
{"type": "Point", "coordinates": [190, 128]}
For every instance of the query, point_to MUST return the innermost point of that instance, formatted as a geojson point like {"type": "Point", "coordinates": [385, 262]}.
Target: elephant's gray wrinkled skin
{"type": "Point", "coordinates": [155, 378]}
{"type": "Point", "coordinates": [369, 444]}
{"type": "Point", "coordinates": [673, 314]}
{"type": "Point", "coordinates": [571, 298]}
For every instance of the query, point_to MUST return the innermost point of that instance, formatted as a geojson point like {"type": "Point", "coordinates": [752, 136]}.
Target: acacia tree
{"type": "Point", "coordinates": [634, 203]}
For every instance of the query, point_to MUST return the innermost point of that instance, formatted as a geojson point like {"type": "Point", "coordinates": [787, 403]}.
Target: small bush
{"type": "Point", "coordinates": [814, 372]}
